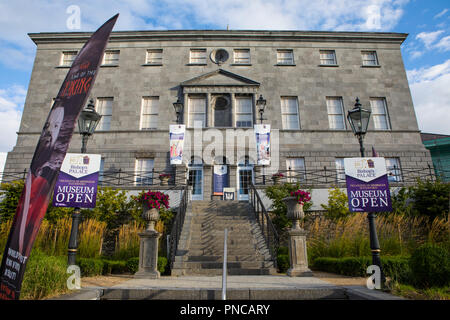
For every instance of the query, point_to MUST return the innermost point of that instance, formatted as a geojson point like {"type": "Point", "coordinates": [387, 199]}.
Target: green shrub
{"type": "Point", "coordinates": [132, 265]}
{"type": "Point", "coordinates": [44, 276]}
{"type": "Point", "coordinates": [431, 198]}
{"type": "Point", "coordinates": [162, 263]}
{"type": "Point", "coordinates": [283, 250]}
{"type": "Point", "coordinates": [90, 266]}
{"type": "Point", "coordinates": [114, 267]}
{"type": "Point", "coordinates": [10, 194]}
{"type": "Point", "coordinates": [396, 268]}
{"type": "Point", "coordinates": [430, 266]}
{"type": "Point", "coordinates": [337, 206]}
{"type": "Point", "coordinates": [283, 262]}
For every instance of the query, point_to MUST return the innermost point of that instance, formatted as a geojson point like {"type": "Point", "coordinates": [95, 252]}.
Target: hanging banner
{"type": "Point", "coordinates": [47, 159]}
{"type": "Point", "coordinates": [176, 141]}
{"type": "Point", "coordinates": [367, 185]}
{"type": "Point", "coordinates": [76, 186]}
{"type": "Point", "coordinates": [220, 179]}
{"type": "Point", "coordinates": [262, 133]}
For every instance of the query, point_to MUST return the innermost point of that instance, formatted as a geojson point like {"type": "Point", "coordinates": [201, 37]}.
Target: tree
{"type": "Point", "coordinates": [337, 206]}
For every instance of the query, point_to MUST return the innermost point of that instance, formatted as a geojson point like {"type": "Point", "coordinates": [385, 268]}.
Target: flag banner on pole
{"type": "Point", "coordinates": [176, 141]}
{"type": "Point", "coordinates": [47, 159]}
{"type": "Point", "coordinates": [367, 185]}
{"type": "Point", "coordinates": [76, 186]}
{"type": "Point", "coordinates": [262, 134]}
{"type": "Point", "coordinates": [220, 179]}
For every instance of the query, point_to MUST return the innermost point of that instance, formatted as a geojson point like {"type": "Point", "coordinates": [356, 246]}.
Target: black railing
{"type": "Point", "coordinates": [122, 178]}
{"type": "Point", "coordinates": [177, 225]}
{"type": "Point", "coordinates": [397, 176]}
{"type": "Point", "coordinates": [268, 230]}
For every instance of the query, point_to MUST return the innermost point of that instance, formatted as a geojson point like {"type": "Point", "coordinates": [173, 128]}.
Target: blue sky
{"type": "Point", "coordinates": [426, 52]}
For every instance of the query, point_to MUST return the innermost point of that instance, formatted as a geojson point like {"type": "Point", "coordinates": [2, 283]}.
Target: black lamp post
{"type": "Point", "coordinates": [261, 105]}
{"type": "Point", "coordinates": [178, 106]}
{"type": "Point", "coordinates": [359, 121]}
{"type": "Point", "coordinates": [87, 122]}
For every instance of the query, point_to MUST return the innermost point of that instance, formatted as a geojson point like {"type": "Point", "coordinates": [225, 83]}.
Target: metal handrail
{"type": "Point", "coordinates": [224, 268]}
{"type": "Point", "coordinates": [177, 226]}
{"type": "Point", "coordinates": [268, 230]}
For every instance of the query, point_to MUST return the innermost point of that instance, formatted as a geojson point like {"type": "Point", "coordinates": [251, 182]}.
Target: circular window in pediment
{"type": "Point", "coordinates": [219, 56]}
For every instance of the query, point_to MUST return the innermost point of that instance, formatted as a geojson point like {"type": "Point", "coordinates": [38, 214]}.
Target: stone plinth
{"type": "Point", "coordinates": [148, 255]}
{"type": "Point", "coordinates": [297, 254]}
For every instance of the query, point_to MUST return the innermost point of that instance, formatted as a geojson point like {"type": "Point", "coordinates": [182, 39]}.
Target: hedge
{"type": "Point", "coordinates": [133, 264]}
{"type": "Point", "coordinates": [92, 267]}
{"type": "Point", "coordinates": [394, 267]}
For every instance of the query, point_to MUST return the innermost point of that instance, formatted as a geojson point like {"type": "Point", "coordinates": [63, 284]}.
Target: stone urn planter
{"type": "Point", "coordinates": [276, 180]}
{"type": "Point", "coordinates": [294, 211]}
{"type": "Point", "coordinates": [164, 180]}
{"type": "Point", "coordinates": [298, 258]}
{"type": "Point", "coordinates": [150, 215]}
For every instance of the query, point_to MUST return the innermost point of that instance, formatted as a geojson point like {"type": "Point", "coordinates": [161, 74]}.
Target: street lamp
{"type": "Point", "coordinates": [87, 122]}
{"type": "Point", "coordinates": [261, 105]}
{"type": "Point", "coordinates": [178, 106]}
{"type": "Point", "coordinates": [359, 121]}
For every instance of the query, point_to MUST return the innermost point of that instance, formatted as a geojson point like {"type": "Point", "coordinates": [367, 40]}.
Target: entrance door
{"type": "Point", "coordinates": [196, 182]}
{"type": "Point", "coordinates": [244, 178]}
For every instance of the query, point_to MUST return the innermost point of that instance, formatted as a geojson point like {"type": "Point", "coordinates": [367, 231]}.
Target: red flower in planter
{"type": "Point", "coordinates": [154, 199]}
{"type": "Point", "coordinates": [302, 196]}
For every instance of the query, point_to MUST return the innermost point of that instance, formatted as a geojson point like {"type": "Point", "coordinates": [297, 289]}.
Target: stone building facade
{"type": "Point", "coordinates": [309, 80]}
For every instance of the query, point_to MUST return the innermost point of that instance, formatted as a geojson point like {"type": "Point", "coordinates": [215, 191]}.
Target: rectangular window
{"type": "Point", "coordinates": [149, 113]}
{"type": "Point", "coordinates": [285, 57]}
{"type": "Point", "coordinates": [242, 56]}
{"type": "Point", "coordinates": [244, 114]}
{"type": "Point", "coordinates": [295, 170]}
{"type": "Point", "coordinates": [111, 58]}
{"type": "Point", "coordinates": [379, 114]}
{"type": "Point", "coordinates": [104, 107]}
{"type": "Point", "coordinates": [67, 58]}
{"type": "Point", "coordinates": [197, 111]}
{"type": "Point", "coordinates": [328, 57]}
{"type": "Point", "coordinates": [340, 170]}
{"type": "Point", "coordinates": [144, 171]}
{"type": "Point", "coordinates": [154, 56]}
{"type": "Point", "coordinates": [393, 169]}
{"type": "Point", "coordinates": [197, 56]}
{"type": "Point", "coordinates": [289, 113]}
{"type": "Point", "coordinates": [369, 58]}
{"type": "Point", "coordinates": [336, 117]}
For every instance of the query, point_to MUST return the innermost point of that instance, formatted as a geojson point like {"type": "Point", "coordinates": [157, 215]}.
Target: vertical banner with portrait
{"type": "Point", "coordinates": [367, 185]}
{"type": "Point", "coordinates": [176, 142]}
{"type": "Point", "coordinates": [262, 135]}
{"type": "Point", "coordinates": [76, 186]}
{"type": "Point", "coordinates": [48, 158]}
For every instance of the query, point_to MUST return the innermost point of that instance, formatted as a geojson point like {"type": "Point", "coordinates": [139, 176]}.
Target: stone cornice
{"type": "Point", "coordinates": [225, 35]}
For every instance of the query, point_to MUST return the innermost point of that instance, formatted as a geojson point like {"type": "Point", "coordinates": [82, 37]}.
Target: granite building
{"type": "Point", "coordinates": [309, 80]}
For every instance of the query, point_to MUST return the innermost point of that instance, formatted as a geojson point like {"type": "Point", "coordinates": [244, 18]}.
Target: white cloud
{"type": "Point", "coordinates": [444, 44]}
{"type": "Point", "coordinates": [431, 96]}
{"type": "Point", "coordinates": [11, 106]}
{"type": "Point", "coordinates": [428, 38]}
{"type": "Point", "coordinates": [2, 162]}
{"type": "Point", "coordinates": [440, 14]}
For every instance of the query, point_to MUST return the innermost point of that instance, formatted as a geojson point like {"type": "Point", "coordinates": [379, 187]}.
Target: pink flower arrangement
{"type": "Point", "coordinates": [278, 174]}
{"type": "Point", "coordinates": [302, 196]}
{"type": "Point", "coordinates": [154, 199]}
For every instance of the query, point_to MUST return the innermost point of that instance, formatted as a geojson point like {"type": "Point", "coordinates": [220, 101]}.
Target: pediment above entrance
{"type": "Point", "coordinates": [220, 80]}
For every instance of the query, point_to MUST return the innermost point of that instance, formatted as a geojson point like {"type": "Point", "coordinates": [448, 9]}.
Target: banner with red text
{"type": "Point", "coordinates": [47, 159]}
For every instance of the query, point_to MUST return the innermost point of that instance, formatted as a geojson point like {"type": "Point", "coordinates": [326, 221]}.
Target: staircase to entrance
{"type": "Point", "coordinates": [200, 247]}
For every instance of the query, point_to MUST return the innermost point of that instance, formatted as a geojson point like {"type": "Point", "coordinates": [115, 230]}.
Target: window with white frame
{"type": "Point", "coordinates": [67, 58]}
{"type": "Point", "coordinates": [197, 110]}
{"type": "Point", "coordinates": [295, 169]}
{"type": "Point", "coordinates": [340, 170]}
{"type": "Point", "coordinates": [104, 107]}
{"type": "Point", "coordinates": [197, 56]}
{"type": "Point", "coordinates": [241, 56]}
{"type": "Point", "coordinates": [289, 113]}
{"type": "Point", "coordinates": [154, 56]}
{"type": "Point", "coordinates": [149, 113]}
{"type": "Point", "coordinates": [328, 57]}
{"type": "Point", "coordinates": [285, 56]}
{"type": "Point", "coordinates": [144, 171]}
{"type": "Point", "coordinates": [244, 114]}
{"type": "Point", "coordinates": [335, 107]}
{"type": "Point", "coordinates": [393, 169]}
{"type": "Point", "coordinates": [111, 57]}
{"type": "Point", "coordinates": [379, 114]}
{"type": "Point", "coordinates": [369, 58]}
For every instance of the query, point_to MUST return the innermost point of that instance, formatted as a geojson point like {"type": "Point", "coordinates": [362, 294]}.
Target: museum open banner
{"type": "Point", "coordinates": [47, 159]}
